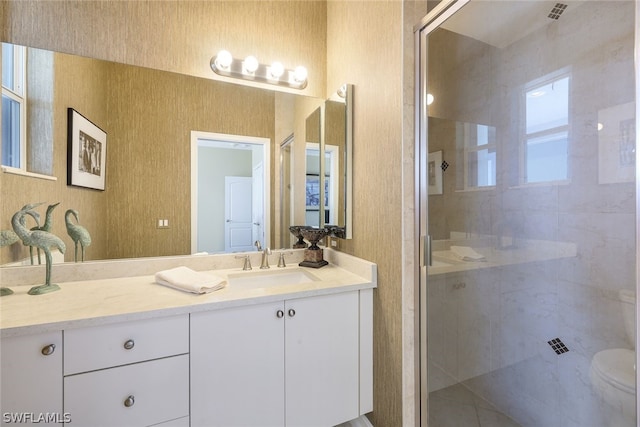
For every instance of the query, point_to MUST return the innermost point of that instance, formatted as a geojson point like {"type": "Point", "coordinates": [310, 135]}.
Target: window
{"type": "Point", "coordinates": [479, 155]}
{"type": "Point", "coordinates": [13, 106]}
{"type": "Point", "coordinates": [546, 137]}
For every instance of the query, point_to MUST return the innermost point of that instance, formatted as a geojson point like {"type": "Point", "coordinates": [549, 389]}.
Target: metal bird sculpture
{"type": "Point", "coordinates": [40, 239]}
{"type": "Point", "coordinates": [78, 233]}
{"type": "Point", "coordinates": [9, 237]}
{"type": "Point", "coordinates": [45, 227]}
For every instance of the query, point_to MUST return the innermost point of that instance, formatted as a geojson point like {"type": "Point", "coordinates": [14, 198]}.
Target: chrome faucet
{"type": "Point", "coordinates": [258, 245]}
{"type": "Point", "coordinates": [247, 262]}
{"type": "Point", "coordinates": [281, 262]}
{"type": "Point", "coordinates": [265, 258]}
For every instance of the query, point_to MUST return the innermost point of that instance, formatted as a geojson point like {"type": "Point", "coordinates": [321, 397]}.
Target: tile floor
{"type": "Point", "coordinates": [457, 406]}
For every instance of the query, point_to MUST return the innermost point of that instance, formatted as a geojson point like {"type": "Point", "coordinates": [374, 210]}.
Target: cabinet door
{"type": "Point", "coordinates": [237, 367]}
{"type": "Point", "coordinates": [321, 339]}
{"type": "Point", "coordinates": [31, 368]}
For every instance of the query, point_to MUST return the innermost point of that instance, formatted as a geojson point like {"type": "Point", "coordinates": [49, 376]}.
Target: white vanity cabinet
{"type": "Point", "coordinates": [291, 363]}
{"type": "Point", "coordinates": [128, 374]}
{"type": "Point", "coordinates": [31, 379]}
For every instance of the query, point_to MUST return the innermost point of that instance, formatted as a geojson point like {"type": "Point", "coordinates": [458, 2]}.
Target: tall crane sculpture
{"type": "Point", "coordinates": [40, 239]}
{"type": "Point", "coordinates": [78, 233]}
{"type": "Point", "coordinates": [48, 222]}
{"type": "Point", "coordinates": [8, 238]}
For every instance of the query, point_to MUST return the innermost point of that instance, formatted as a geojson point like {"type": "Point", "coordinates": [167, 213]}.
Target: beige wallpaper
{"type": "Point", "coordinates": [179, 36]}
{"type": "Point", "coordinates": [364, 42]}
{"type": "Point", "coordinates": [355, 42]}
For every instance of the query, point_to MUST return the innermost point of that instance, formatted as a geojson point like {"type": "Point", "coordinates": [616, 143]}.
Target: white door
{"type": "Point", "coordinates": [258, 204]}
{"type": "Point", "coordinates": [238, 233]}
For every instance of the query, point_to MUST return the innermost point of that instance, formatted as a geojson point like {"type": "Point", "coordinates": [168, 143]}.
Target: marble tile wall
{"type": "Point", "coordinates": [488, 328]}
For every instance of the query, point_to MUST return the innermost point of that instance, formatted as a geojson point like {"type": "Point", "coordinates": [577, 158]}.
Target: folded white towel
{"type": "Point", "coordinates": [466, 253]}
{"type": "Point", "coordinates": [186, 279]}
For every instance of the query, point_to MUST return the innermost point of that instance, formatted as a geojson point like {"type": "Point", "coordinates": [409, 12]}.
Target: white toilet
{"type": "Point", "coordinates": [613, 372]}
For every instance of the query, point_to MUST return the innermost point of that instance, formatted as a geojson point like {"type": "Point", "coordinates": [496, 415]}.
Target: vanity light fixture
{"type": "Point", "coordinates": [250, 65]}
{"type": "Point", "coordinates": [250, 69]}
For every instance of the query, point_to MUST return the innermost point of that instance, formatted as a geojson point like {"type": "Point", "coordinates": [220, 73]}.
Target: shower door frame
{"type": "Point", "coordinates": [428, 24]}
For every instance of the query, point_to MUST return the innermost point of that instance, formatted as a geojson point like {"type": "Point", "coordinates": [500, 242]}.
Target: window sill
{"type": "Point", "coordinates": [540, 184]}
{"type": "Point", "coordinates": [476, 189]}
{"type": "Point", "coordinates": [15, 171]}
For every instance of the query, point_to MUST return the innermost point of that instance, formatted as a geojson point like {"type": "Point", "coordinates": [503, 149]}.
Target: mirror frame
{"type": "Point", "coordinates": [266, 159]}
{"type": "Point", "coordinates": [344, 93]}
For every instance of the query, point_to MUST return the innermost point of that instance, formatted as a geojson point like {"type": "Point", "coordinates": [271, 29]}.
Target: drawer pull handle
{"type": "Point", "coordinates": [292, 312]}
{"type": "Point", "coordinates": [279, 314]}
{"type": "Point", "coordinates": [129, 401]}
{"type": "Point", "coordinates": [128, 345]}
{"type": "Point", "coordinates": [49, 349]}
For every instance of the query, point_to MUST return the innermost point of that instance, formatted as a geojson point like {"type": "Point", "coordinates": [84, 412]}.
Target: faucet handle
{"type": "Point", "coordinates": [258, 245]}
{"type": "Point", "coordinates": [281, 262]}
{"type": "Point", "coordinates": [247, 262]}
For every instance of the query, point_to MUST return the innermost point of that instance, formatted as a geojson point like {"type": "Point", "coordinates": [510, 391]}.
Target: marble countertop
{"type": "Point", "coordinates": [84, 303]}
{"type": "Point", "coordinates": [445, 261]}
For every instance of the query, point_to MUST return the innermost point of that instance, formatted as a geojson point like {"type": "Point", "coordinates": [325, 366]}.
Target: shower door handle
{"type": "Point", "coordinates": [426, 251]}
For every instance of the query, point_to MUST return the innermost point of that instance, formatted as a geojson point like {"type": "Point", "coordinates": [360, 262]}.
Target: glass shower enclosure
{"type": "Point", "coordinates": [527, 213]}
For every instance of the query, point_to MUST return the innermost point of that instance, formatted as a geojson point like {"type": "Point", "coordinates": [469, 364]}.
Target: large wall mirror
{"type": "Point", "coordinates": [149, 116]}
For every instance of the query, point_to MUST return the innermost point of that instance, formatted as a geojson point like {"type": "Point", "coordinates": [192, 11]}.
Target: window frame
{"type": "Point", "coordinates": [468, 149]}
{"type": "Point", "coordinates": [525, 137]}
{"type": "Point", "coordinates": [18, 94]}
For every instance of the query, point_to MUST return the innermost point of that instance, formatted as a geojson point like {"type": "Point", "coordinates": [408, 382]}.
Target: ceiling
{"type": "Point", "coordinates": [516, 18]}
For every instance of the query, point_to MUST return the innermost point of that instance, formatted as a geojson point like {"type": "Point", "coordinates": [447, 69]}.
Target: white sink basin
{"type": "Point", "coordinates": [264, 278]}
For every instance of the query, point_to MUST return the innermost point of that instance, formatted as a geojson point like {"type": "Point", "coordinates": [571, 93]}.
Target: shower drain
{"type": "Point", "coordinates": [557, 10]}
{"type": "Point", "coordinates": [558, 346]}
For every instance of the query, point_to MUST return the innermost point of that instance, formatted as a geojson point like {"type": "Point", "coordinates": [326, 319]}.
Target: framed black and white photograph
{"type": "Point", "coordinates": [86, 152]}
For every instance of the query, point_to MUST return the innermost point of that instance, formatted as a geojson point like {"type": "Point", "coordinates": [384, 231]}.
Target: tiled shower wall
{"type": "Point", "coordinates": [489, 328]}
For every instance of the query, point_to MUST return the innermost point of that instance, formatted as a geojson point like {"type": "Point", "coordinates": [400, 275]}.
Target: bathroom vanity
{"type": "Point", "coordinates": [126, 351]}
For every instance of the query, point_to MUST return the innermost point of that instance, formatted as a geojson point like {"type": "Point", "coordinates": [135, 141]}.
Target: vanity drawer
{"type": "Point", "coordinates": [88, 349]}
{"type": "Point", "coordinates": [141, 394]}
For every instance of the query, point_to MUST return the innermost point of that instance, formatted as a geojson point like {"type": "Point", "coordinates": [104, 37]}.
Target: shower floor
{"type": "Point", "coordinates": [457, 406]}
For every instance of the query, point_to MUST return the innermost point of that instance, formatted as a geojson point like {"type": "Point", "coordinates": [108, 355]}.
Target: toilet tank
{"type": "Point", "coordinates": [628, 299]}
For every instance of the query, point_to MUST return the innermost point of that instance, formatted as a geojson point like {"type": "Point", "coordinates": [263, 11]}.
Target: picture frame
{"type": "Point", "coordinates": [86, 152]}
{"type": "Point", "coordinates": [434, 173]}
{"type": "Point", "coordinates": [616, 144]}
{"type": "Point", "coordinates": [312, 192]}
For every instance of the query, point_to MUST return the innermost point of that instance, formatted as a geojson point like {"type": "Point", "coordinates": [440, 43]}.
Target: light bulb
{"type": "Point", "coordinates": [342, 92]}
{"type": "Point", "coordinates": [429, 99]}
{"type": "Point", "coordinates": [224, 60]}
{"type": "Point", "coordinates": [250, 64]}
{"type": "Point", "coordinates": [276, 70]}
{"type": "Point", "coordinates": [300, 74]}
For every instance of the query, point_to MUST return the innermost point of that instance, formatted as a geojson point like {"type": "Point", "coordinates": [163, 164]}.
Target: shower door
{"type": "Point", "coordinates": [527, 213]}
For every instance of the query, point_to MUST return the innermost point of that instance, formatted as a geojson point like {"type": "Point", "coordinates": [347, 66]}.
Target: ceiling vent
{"type": "Point", "coordinates": [557, 10]}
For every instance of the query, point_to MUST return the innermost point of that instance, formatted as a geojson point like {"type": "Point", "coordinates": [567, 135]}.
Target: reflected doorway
{"type": "Point", "coordinates": [225, 221]}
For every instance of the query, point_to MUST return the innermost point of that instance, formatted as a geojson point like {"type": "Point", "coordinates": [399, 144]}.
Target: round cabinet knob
{"type": "Point", "coordinates": [48, 350]}
{"type": "Point", "coordinates": [279, 314]}
{"type": "Point", "coordinates": [129, 401]}
{"type": "Point", "coordinates": [292, 312]}
{"type": "Point", "coordinates": [128, 344]}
